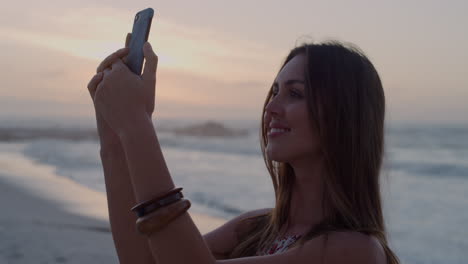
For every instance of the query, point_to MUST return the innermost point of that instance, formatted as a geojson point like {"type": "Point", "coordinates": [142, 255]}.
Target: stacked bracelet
{"type": "Point", "coordinates": [158, 212]}
{"type": "Point", "coordinates": [151, 205]}
{"type": "Point", "coordinates": [160, 218]}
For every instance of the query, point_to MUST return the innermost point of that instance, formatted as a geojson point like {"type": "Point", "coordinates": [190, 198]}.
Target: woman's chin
{"type": "Point", "coordinates": [275, 155]}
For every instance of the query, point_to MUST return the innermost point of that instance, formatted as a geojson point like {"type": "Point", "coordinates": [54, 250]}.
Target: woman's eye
{"type": "Point", "coordinates": [292, 93]}
{"type": "Point", "coordinates": [295, 94]}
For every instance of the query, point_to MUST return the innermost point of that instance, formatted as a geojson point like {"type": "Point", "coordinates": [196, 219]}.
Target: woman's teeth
{"type": "Point", "coordinates": [278, 130]}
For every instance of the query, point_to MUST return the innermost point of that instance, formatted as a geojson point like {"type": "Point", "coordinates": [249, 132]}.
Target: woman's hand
{"type": "Point", "coordinates": [108, 138]}
{"type": "Point", "coordinates": [122, 96]}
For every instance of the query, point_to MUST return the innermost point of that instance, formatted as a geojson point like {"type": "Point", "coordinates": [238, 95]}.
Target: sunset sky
{"type": "Point", "coordinates": [218, 58]}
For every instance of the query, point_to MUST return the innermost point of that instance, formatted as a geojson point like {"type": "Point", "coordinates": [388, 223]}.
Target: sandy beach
{"type": "Point", "coordinates": [51, 219]}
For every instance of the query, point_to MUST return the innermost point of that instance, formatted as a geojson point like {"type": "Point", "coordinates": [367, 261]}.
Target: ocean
{"type": "Point", "coordinates": [425, 175]}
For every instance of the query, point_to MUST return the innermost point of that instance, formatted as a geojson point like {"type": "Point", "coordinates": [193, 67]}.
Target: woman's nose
{"type": "Point", "coordinates": [274, 107]}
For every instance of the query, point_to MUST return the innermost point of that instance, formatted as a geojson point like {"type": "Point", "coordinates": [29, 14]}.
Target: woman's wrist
{"type": "Point", "coordinates": [111, 148]}
{"type": "Point", "coordinates": [137, 126]}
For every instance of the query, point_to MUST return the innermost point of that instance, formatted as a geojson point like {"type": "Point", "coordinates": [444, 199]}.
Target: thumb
{"type": "Point", "coordinates": [151, 63]}
{"type": "Point", "coordinates": [92, 85]}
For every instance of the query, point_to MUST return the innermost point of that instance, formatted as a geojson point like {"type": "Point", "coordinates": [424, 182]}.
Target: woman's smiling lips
{"type": "Point", "coordinates": [276, 130]}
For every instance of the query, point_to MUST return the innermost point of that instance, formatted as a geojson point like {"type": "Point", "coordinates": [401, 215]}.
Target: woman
{"type": "Point", "coordinates": [322, 140]}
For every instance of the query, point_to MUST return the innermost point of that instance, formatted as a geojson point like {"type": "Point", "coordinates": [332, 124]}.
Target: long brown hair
{"type": "Point", "coordinates": [346, 105]}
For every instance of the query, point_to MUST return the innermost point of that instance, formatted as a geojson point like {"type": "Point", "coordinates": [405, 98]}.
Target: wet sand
{"type": "Point", "coordinates": [50, 219]}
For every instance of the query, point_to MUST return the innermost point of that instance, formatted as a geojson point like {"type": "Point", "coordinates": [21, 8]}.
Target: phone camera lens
{"type": "Point", "coordinates": [137, 17]}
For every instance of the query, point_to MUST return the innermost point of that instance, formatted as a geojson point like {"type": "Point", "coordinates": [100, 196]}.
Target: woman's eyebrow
{"type": "Point", "coordinates": [289, 82]}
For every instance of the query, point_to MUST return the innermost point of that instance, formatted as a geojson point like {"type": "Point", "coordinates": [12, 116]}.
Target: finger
{"type": "Point", "coordinates": [118, 65]}
{"type": "Point", "coordinates": [111, 58]}
{"type": "Point", "coordinates": [98, 90]}
{"type": "Point", "coordinates": [94, 82]}
{"type": "Point", "coordinates": [151, 62]}
{"type": "Point", "coordinates": [106, 72]}
{"type": "Point", "coordinates": [127, 40]}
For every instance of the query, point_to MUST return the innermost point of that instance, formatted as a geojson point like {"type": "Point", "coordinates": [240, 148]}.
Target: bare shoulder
{"type": "Point", "coordinates": [353, 247]}
{"type": "Point", "coordinates": [223, 239]}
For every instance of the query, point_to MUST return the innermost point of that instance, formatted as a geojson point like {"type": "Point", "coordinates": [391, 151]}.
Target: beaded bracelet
{"type": "Point", "coordinates": [151, 205]}
{"type": "Point", "coordinates": [160, 218]}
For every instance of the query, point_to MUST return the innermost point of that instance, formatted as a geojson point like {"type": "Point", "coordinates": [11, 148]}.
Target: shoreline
{"type": "Point", "coordinates": [52, 219]}
{"type": "Point", "coordinates": [36, 230]}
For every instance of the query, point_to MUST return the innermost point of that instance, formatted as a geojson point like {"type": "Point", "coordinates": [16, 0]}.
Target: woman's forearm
{"type": "Point", "coordinates": [180, 242]}
{"type": "Point", "coordinates": [131, 247]}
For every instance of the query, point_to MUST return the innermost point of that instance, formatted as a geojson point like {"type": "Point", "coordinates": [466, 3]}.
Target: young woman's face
{"type": "Point", "coordinates": [290, 133]}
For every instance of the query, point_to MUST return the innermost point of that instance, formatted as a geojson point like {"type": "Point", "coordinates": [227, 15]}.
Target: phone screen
{"type": "Point", "coordinates": [140, 32]}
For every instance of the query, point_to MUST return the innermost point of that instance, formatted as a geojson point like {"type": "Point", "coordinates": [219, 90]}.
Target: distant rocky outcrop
{"type": "Point", "coordinates": [210, 129]}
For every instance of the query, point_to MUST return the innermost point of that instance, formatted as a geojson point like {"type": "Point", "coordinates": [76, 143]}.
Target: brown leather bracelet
{"type": "Point", "coordinates": [160, 218]}
{"type": "Point", "coordinates": [156, 199]}
{"type": "Point", "coordinates": [158, 204]}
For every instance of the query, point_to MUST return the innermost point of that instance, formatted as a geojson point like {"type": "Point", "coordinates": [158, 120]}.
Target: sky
{"type": "Point", "coordinates": [217, 59]}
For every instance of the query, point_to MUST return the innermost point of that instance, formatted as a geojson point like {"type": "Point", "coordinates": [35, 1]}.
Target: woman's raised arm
{"type": "Point", "coordinates": [130, 246]}
{"type": "Point", "coordinates": [180, 241]}
{"type": "Point", "coordinates": [126, 102]}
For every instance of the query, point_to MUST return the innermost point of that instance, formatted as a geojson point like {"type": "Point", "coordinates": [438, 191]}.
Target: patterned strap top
{"type": "Point", "coordinates": [280, 245]}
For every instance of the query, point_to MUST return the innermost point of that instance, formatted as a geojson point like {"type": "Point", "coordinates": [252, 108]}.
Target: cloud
{"type": "Point", "coordinates": [38, 81]}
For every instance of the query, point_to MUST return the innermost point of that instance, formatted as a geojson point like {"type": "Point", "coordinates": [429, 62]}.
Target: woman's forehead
{"type": "Point", "coordinates": [294, 69]}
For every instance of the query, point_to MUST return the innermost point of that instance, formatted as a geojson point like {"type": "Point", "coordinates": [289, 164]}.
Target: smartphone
{"type": "Point", "coordinates": [140, 32]}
